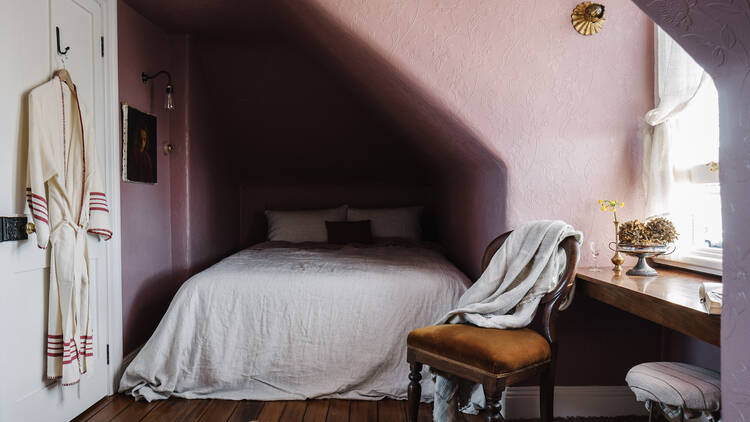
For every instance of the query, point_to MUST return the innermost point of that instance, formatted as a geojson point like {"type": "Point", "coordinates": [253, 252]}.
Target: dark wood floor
{"type": "Point", "coordinates": [124, 409]}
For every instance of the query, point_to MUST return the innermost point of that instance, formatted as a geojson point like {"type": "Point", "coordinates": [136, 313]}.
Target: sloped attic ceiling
{"type": "Point", "coordinates": [441, 135]}
{"type": "Point", "coordinates": [213, 17]}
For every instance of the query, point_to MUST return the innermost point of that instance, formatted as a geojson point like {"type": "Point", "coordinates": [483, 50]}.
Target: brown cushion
{"type": "Point", "coordinates": [349, 231]}
{"type": "Point", "coordinates": [492, 350]}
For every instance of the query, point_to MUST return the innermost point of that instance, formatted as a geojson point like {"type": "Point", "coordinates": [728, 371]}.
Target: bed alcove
{"type": "Point", "coordinates": [368, 132]}
{"type": "Point", "coordinates": [266, 120]}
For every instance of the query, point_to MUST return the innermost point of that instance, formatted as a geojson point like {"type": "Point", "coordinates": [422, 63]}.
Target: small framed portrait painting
{"type": "Point", "coordinates": [138, 145]}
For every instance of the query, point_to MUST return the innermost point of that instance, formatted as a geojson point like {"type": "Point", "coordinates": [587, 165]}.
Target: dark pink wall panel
{"type": "Point", "coordinates": [179, 53]}
{"type": "Point", "coordinates": [281, 129]}
{"type": "Point", "coordinates": [146, 209]}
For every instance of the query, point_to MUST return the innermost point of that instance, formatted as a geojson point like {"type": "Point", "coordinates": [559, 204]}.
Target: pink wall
{"type": "Point", "coordinates": [500, 107]}
{"type": "Point", "coordinates": [146, 222]}
{"type": "Point", "coordinates": [518, 122]}
{"type": "Point", "coordinates": [717, 35]}
{"type": "Point", "coordinates": [558, 112]}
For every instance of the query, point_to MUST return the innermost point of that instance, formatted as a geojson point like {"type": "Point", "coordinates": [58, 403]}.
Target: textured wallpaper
{"type": "Point", "coordinates": [560, 110]}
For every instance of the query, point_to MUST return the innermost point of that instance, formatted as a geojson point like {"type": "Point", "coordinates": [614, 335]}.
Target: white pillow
{"type": "Point", "coordinates": [405, 223]}
{"type": "Point", "coordinates": [302, 226]}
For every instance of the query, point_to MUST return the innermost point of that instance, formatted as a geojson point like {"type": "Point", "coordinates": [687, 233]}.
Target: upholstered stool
{"type": "Point", "coordinates": [676, 389]}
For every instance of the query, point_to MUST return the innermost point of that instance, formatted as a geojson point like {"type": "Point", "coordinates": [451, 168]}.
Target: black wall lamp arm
{"type": "Point", "coordinates": [145, 78]}
{"type": "Point", "coordinates": [169, 104]}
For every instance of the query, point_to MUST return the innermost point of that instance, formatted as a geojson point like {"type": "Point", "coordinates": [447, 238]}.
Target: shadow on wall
{"type": "Point", "coordinates": [147, 304]}
{"type": "Point", "coordinates": [471, 181]}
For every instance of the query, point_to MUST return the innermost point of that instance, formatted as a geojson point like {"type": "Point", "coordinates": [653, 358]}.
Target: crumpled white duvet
{"type": "Point", "coordinates": [284, 323]}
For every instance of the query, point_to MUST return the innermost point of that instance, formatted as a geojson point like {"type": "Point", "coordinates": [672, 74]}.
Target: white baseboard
{"type": "Point", "coordinates": [593, 400]}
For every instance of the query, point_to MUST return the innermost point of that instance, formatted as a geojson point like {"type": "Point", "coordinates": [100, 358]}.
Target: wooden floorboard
{"type": "Point", "coordinates": [122, 408]}
{"type": "Point", "coordinates": [338, 411]}
{"type": "Point", "coordinates": [91, 411]}
{"type": "Point", "coordinates": [425, 412]}
{"type": "Point", "coordinates": [365, 411]}
{"type": "Point", "coordinates": [391, 411]}
{"type": "Point", "coordinates": [272, 411]}
{"type": "Point", "coordinates": [137, 411]}
{"type": "Point", "coordinates": [294, 411]}
{"type": "Point", "coordinates": [112, 409]}
{"type": "Point", "coordinates": [221, 410]}
{"type": "Point", "coordinates": [317, 411]}
{"type": "Point", "coordinates": [176, 410]}
{"type": "Point", "coordinates": [246, 410]}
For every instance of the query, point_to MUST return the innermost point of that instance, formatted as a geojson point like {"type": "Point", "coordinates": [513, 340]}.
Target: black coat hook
{"type": "Point", "coordinates": [60, 52]}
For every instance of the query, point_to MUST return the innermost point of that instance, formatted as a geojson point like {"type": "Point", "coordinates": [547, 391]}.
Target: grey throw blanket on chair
{"type": "Point", "coordinates": [525, 268]}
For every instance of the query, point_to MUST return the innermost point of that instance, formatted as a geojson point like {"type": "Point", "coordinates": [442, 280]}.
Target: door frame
{"type": "Point", "coordinates": [112, 165]}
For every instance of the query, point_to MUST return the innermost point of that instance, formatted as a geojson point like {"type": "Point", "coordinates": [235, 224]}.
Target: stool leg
{"type": "Point", "coordinates": [415, 391]}
{"type": "Point", "coordinates": [493, 394]}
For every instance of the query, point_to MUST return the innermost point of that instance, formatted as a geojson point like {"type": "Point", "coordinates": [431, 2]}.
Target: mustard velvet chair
{"type": "Point", "coordinates": [491, 357]}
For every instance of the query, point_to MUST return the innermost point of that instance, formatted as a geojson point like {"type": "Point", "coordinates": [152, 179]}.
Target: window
{"type": "Point", "coordinates": [695, 206]}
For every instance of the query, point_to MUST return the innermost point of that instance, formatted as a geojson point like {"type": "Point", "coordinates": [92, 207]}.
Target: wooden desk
{"type": "Point", "coordinates": [670, 299]}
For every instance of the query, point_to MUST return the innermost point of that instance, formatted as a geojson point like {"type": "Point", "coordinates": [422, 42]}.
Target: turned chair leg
{"type": "Point", "coordinates": [547, 394]}
{"type": "Point", "coordinates": [493, 395]}
{"type": "Point", "coordinates": [415, 391]}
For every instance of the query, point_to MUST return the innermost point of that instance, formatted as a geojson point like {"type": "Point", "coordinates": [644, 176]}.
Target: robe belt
{"type": "Point", "coordinates": [69, 282]}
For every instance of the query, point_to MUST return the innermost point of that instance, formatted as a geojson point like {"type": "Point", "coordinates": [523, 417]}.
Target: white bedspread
{"type": "Point", "coordinates": [284, 323]}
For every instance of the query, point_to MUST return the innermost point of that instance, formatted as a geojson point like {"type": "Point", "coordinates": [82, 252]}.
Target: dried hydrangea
{"type": "Point", "coordinates": [632, 232]}
{"type": "Point", "coordinates": [660, 231]}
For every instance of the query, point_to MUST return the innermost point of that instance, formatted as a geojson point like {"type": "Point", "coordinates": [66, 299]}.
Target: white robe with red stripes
{"type": "Point", "coordinates": [66, 199]}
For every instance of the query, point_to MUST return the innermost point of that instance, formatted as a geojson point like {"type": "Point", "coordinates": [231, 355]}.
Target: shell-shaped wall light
{"type": "Point", "coordinates": [588, 18]}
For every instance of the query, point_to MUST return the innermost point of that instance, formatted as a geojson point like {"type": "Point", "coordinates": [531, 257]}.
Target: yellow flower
{"type": "Point", "coordinates": [600, 202]}
{"type": "Point", "coordinates": [622, 204]}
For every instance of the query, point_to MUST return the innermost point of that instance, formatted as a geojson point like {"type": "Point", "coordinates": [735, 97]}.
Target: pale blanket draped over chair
{"type": "Point", "coordinates": [527, 266]}
{"type": "Point", "coordinates": [679, 80]}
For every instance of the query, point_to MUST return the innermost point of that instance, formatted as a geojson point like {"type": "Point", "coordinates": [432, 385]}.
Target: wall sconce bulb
{"type": "Point", "coordinates": [169, 100]}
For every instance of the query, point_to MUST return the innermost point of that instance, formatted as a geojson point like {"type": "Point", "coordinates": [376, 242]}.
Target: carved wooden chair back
{"type": "Point", "coordinates": [554, 299]}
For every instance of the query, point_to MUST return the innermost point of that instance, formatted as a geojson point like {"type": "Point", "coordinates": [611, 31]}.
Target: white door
{"type": "Point", "coordinates": [29, 45]}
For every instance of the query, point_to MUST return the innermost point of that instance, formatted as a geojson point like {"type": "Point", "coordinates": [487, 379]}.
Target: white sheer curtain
{"type": "Point", "coordinates": [678, 80]}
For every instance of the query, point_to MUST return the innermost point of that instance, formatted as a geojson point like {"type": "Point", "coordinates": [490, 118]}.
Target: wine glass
{"type": "Point", "coordinates": [595, 252]}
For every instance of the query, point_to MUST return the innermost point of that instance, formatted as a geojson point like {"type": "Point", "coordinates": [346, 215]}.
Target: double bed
{"type": "Point", "coordinates": [283, 320]}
